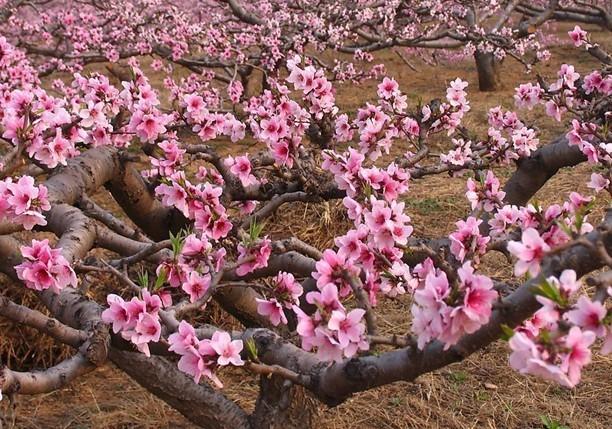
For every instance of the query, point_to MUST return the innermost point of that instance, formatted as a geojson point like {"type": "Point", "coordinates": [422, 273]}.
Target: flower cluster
{"type": "Point", "coordinates": [198, 202]}
{"type": "Point", "coordinates": [203, 357]}
{"type": "Point", "coordinates": [555, 343]}
{"type": "Point", "coordinates": [486, 194]}
{"type": "Point", "coordinates": [23, 202]}
{"type": "Point", "coordinates": [45, 268]}
{"type": "Point", "coordinates": [332, 330]}
{"type": "Point", "coordinates": [284, 295]}
{"type": "Point", "coordinates": [467, 241]}
{"type": "Point", "coordinates": [253, 256]}
{"type": "Point", "coordinates": [542, 229]}
{"type": "Point", "coordinates": [33, 119]}
{"type": "Point", "coordinates": [446, 312]}
{"type": "Point", "coordinates": [137, 320]}
{"type": "Point", "coordinates": [210, 125]}
{"type": "Point", "coordinates": [190, 267]}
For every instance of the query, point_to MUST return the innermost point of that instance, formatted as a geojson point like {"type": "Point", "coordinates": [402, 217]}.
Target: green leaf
{"type": "Point", "coordinates": [549, 423]}
{"type": "Point", "coordinates": [255, 230]}
{"type": "Point", "coordinates": [143, 278]}
{"type": "Point", "coordinates": [177, 241]}
{"type": "Point", "coordinates": [160, 280]}
{"type": "Point", "coordinates": [548, 290]}
{"type": "Point", "coordinates": [251, 348]}
{"type": "Point", "coordinates": [507, 332]}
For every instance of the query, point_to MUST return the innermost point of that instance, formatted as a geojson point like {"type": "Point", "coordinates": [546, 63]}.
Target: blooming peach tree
{"type": "Point", "coordinates": [197, 219]}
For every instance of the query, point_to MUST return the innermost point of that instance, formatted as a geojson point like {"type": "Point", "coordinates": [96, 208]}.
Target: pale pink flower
{"type": "Point", "coordinates": [578, 355]}
{"type": "Point", "coordinates": [116, 313]}
{"type": "Point", "coordinates": [348, 326]}
{"type": "Point", "coordinates": [598, 182]}
{"type": "Point", "coordinates": [228, 350]}
{"type": "Point", "coordinates": [183, 339]}
{"type": "Point", "coordinates": [529, 251]}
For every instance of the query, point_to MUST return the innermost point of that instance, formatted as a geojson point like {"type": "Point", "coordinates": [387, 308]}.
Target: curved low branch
{"type": "Point", "coordinates": [35, 382]}
{"type": "Point", "coordinates": [45, 324]}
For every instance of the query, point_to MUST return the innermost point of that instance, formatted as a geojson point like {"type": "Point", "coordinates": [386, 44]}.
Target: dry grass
{"type": "Point", "coordinates": [481, 392]}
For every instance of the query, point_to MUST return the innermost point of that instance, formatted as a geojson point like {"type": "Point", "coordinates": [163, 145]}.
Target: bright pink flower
{"type": "Point", "coordinates": [241, 168]}
{"type": "Point", "coordinates": [150, 127]}
{"type": "Point", "coordinates": [192, 363]}
{"type": "Point", "coordinates": [173, 195]}
{"type": "Point", "coordinates": [429, 310]}
{"type": "Point", "coordinates": [259, 253]}
{"type": "Point", "coordinates": [388, 88]}
{"type": "Point", "coordinates": [235, 90]}
{"type": "Point", "coordinates": [327, 299]}
{"type": "Point", "coordinates": [455, 93]}
{"type": "Point", "coordinates": [528, 95]}
{"type": "Point", "coordinates": [305, 328]}
{"type": "Point", "coordinates": [348, 326]}
{"type": "Point", "coordinates": [554, 111]}
{"type": "Point", "coordinates": [272, 309]}
{"type": "Point", "coordinates": [272, 129]}
{"type": "Point", "coordinates": [287, 289]}
{"type": "Point", "coordinates": [578, 36]}
{"type": "Point", "coordinates": [23, 193]}
{"type": "Point", "coordinates": [196, 285]}
{"type": "Point", "coordinates": [147, 329]}
{"type": "Point", "coordinates": [332, 269]}
{"type": "Point", "coordinates": [567, 283]}
{"type": "Point", "coordinates": [505, 218]}
{"type": "Point", "coordinates": [45, 268]}
{"type": "Point", "coordinates": [468, 240]}
{"type": "Point", "coordinates": [588, 315]}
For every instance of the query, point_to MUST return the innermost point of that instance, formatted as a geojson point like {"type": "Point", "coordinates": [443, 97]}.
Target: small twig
{"type": "Point", "coordinates": [364, 302]}
{"type": "Point", "coordinates": [269, 370]}
{"type": "Point", "coordinates": [394, 340]}
{"type": "Point", "coordinates": [275, 203]}
{"type": "Point", "coordinates": [293, 243]}
{"type": "Point", "coordinates": [91, 209]}
{"type": "Point", "coordinates": [405, 60]}
{"type": "Point", "coordinates": [143, 254]}
{"type": "Point", "coordinates": [124, 278]}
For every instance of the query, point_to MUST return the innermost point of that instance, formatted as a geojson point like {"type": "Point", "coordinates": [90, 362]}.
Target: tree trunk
{"type": "Point", "coordinates": [283, 405]}
{"type": "Point", "coordinates": [488, 73]}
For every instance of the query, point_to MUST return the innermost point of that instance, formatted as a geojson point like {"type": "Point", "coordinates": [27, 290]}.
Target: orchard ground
{"type": "Point", "coordinates": [481, 392]}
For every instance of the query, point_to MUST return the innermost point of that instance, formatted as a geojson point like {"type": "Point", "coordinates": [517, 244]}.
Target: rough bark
{"type": "Point", "coordinates": [281, 404]}
{"type": "Point", "coordinates": [130, 191]}
{"type": "Point", "coordinates": [200, 403]}
{"type": "Point", "coordinates": [532, 173]}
